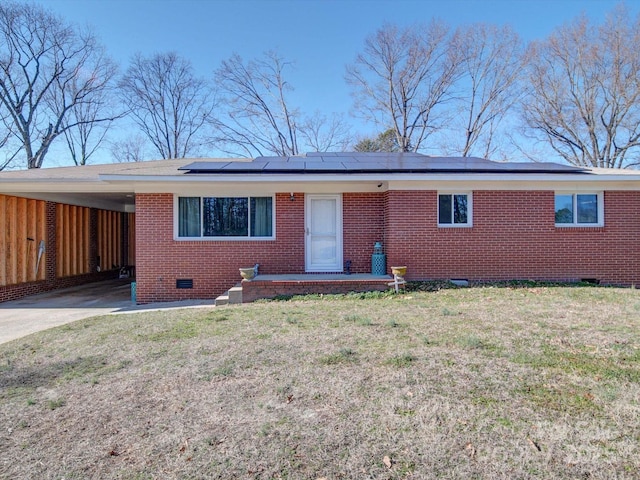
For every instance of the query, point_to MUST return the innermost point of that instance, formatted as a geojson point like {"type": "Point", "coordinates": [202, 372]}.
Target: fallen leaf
{"type": "Point", "coordinates": [184, 446]}
{"type": "Point", "coordinates": [387, 461]}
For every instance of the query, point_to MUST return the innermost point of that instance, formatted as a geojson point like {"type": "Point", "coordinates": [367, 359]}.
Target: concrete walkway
{"type": "Point", "coordinates": [40, 312]}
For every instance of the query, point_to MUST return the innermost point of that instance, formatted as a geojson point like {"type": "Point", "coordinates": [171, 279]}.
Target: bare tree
{"type": "Point", "coordinates": [168, 103]}
{"type": "Point", "coordinates": [47, 69]}
{"type": "Point", "coordinates": [5, 137]}
{"type": "Point", "coordinates": [129, 149]}
{"type": "Point", "coordinates": [584, 98]}
{"type": "Point", "coordinates": [492, 61]}
{"type": "Point", "coordinates": [86, 138]}
{"type": "Point", "coordinates": [325, 134]}
{"type": "Point", "coordinates": [259, 119]}
{"type": "Point", "coordinates": [87, 123]}
{"type": "Point", "coordinates": [403, 78]}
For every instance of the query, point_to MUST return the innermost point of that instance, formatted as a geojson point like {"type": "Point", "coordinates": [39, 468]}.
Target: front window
{"type": "Point", "coordinates": [579, 209]}
{"type": "Point", "coordinates": [225, 217]}
{"type": "Point", "coordinates": [454, 209]}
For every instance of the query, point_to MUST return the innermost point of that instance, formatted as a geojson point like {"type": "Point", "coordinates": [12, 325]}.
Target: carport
{"type": "Point", "coordinates": [63, 227]}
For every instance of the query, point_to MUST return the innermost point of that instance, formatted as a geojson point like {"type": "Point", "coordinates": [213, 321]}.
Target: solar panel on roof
{"type": "Point", "coordinates": [376, 162]}
{"type": "Point", "coordinates": [243, 166]}
{"type": "Point", "coordinates": [282, 166]}
{"type": "Point", "coordinates": [204, 166]}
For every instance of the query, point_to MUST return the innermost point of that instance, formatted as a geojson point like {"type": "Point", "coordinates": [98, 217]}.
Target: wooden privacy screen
{"type": "Point", "coordinates": [24, 223]}
{"type": "Point", "coordinates": [110, 239]}
{"type": "Point", "coordinates": [72, 240]}
{"type": "Point", "coordinates": [24, 226]}
{"type": "Point", "coordinates": [73, 230]}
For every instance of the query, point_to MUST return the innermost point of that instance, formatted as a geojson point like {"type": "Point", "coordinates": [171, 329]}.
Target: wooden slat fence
{"type": "Point", "coordinates": [24, 226]}
{"type": "Point", "coordinates": [110, 239]}
{"type": "Point", "coordinates": [24, 223]}
{"type": "Point", "coordinates": [72, 240]}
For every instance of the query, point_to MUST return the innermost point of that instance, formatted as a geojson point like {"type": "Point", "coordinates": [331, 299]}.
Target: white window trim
{"type": "Point", "coordinates": [575, 224]}
{"type": "Point", "coordinates": [469, 223]}
{"type": "Point", "coordinates": [176, 219]}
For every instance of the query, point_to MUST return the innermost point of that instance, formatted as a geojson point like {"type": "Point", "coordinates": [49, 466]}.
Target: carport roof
{"type": "Point", "coordinates": [85, 185]}
{"type": "Point", "coordinates": [93, 172]}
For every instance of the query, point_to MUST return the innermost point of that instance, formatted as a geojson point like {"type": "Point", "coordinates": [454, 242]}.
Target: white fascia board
{"type": "Point", "coordinates": [57, 185]}
{"type": "Point", "coordinates": [241, 178]}
{"type": "Point", "coordinates": [255, 184]}
{"type": "Point", "coordinates": [329, 183]}
{"type": "Point", "coordinates": [318, 183]}
{"type": "Point", "coordinates": [81, 199]}
{"type": "Point", "coordinates": [524, 182]}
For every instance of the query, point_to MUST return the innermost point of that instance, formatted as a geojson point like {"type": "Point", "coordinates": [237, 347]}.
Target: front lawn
{"type": "Point", "coordinates": [532, 382]}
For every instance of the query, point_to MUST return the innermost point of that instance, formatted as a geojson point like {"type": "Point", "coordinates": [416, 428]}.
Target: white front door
{"type": "Point", "coordinates": [323, 227]}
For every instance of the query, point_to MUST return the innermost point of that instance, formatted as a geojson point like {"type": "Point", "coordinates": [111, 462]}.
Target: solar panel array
{"type": "Point", "coordinates": [361, 162]}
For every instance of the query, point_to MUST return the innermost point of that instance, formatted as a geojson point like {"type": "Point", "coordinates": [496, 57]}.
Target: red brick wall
{"type": "Point", "coordinates": [363, 225]}
{"type": "Point", "coordinates": [213, 265]}
{"type": "Point", "coordinates": [513, 237]}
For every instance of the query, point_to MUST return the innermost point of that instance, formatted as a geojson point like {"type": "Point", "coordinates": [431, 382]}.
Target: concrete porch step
{"type": "Point", "coordinates": [233, 296]}
{"type": "Point", "coordinates": [222, 300]}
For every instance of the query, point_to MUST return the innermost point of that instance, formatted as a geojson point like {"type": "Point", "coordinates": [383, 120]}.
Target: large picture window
{"type": "Point", "coordinates": [225, 217]}
{"type": "Point", "coordinates": [454, 209]}
{"type": "Point", "coordinates": [578, 209]}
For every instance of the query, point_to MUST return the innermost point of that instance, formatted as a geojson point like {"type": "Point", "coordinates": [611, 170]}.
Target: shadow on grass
{"type": "Point", "coordinates": [38, 375]}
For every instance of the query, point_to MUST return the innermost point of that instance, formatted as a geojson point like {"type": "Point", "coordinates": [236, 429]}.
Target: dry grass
{"type": "Point", "coordinates": [470, 383]}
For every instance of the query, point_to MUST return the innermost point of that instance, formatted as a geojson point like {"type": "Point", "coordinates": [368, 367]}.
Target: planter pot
{"type": "Point", "coordinates": [247, 273]}
{"type": "Point", "coordinates": [399, 271]}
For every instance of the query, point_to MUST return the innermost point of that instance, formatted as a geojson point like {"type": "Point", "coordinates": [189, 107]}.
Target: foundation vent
{"type": "Point", "coordinates": [184, 283]}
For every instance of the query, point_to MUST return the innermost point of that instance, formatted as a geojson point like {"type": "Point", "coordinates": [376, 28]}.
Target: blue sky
{"type": "Point", "coordinates": [321, 37]}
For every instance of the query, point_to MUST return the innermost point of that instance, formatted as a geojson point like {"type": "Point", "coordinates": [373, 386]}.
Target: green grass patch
{"type": "Point", "coordinates": [181, 330]}
{"type": "Point", "coordinates": [401, 361]}
{"type": "Point", "coordinates": [614, 365]}
{"type": "Point", "coordinates": [562, 398]}
{"type": "Point", "coordinates": [344, 355]}
{"type": "Point", "coordinates": [56, 403]}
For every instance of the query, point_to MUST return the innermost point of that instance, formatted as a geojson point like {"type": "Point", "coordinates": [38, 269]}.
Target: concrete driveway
{"type": "Point", "coordinates": [32, 314]}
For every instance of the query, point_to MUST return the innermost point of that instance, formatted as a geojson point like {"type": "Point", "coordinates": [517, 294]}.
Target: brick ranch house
{"type": "Point", "coordinates": [189, 225]}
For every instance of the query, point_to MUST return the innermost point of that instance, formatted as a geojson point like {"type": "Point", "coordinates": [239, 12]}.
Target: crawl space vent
{"type": "Point", "coordinates": [184, 283]}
